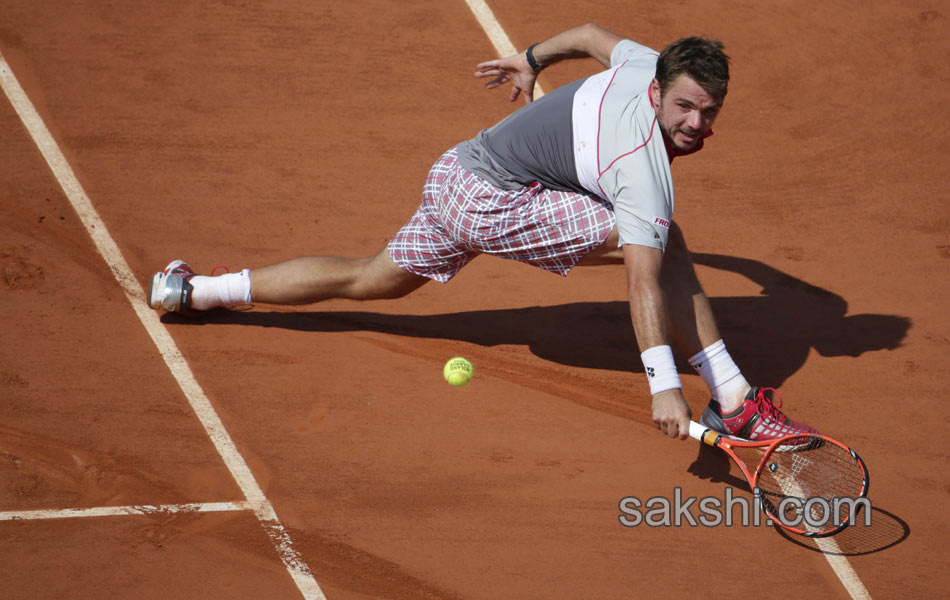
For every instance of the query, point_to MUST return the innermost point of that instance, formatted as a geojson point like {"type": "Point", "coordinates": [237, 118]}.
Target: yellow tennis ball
{"type": "Point", "coordinates": [458, 371]}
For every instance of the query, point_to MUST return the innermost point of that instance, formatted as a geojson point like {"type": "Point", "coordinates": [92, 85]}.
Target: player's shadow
{"type": "Point", "coordinates": [769, 335]}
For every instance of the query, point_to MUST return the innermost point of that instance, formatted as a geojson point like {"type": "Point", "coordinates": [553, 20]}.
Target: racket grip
{"type": "Point", "coordinates": [696, 432]}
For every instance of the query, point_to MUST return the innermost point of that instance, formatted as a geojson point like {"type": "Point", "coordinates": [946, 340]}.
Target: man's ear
{"type": "Point", "coordinates": [655, 93]}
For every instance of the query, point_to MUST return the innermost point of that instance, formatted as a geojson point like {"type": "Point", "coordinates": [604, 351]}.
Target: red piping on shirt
{"type": "Point", "coordinates": [600, 111]}
{"type": "Point", "coordinates": [650, 137]}
{"type": "Point", "coordinates": [600, 115]}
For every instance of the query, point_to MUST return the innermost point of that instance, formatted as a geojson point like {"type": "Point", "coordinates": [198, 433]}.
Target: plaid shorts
{"type": "Point", "coordinates": [462, 216]}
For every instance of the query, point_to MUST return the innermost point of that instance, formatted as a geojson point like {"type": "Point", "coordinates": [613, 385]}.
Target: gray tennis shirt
{"type": "Point", "coordinates": [598, 136]}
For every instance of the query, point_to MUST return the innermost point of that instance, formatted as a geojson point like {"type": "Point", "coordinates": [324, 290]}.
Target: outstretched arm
{"type": "Point", "coordinates": [588, 40]}
{"type": "Point", "coordinates": [650, 315]}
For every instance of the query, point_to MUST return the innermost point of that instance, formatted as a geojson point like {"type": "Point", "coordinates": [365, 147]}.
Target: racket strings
{"type": "Point", "coordinates": [814, 486]}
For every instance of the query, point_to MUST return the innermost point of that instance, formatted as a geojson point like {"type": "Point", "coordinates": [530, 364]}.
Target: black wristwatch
{"type": "Point", "coordinates": [529, 54]}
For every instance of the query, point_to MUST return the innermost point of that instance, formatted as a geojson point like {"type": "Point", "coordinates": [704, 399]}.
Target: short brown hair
{"type": "Point", "coordinates": [700, 58]}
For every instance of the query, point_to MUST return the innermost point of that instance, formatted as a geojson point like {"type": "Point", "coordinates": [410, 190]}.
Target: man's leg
{"type": "Point", "coordinates": [298, 281]}
{"type": "Point", "coordinates": [693, 325]}
{"type": "Point", "coordinates": [315, 278]}
{"type": "Point", "coordinates": [606, 254]}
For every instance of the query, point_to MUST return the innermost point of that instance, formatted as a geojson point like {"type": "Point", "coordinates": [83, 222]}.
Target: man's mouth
{"type": "Point", "coordinates": [691, 136]}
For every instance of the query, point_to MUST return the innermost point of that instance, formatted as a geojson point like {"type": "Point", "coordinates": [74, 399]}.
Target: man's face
{"type": "Point", "coordinates": [686, 111]}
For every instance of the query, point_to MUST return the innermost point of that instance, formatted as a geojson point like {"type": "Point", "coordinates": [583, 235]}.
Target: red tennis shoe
{"type": "Point", "coordinates": [757, 419]}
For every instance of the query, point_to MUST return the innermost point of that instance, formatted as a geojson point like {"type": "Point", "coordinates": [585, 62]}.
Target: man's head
{"type": "Point", "coordinates": [702, 59]}
{"type": "Point", "coordinates": [692, 77]}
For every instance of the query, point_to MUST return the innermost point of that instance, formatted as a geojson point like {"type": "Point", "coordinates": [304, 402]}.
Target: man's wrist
{"type": "Point", "coordinates": [532, 61]}
{"type": "Point", "coordinates": [661, 369]}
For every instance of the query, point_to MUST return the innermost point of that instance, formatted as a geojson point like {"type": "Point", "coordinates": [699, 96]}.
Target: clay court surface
{"type": "Point", "coordinates": [245, 133]}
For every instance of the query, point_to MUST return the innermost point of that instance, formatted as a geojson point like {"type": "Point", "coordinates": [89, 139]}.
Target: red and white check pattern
{"type": "Point", "coordinates": [462, 216]}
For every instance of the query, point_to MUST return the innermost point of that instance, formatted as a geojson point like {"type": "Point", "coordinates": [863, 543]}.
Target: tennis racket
{"type": "Point", "coordinates": [809, 484]}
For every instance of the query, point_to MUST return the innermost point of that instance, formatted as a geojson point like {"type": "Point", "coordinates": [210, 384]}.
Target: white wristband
{"type": "Point", "coordinates": [661, 369]}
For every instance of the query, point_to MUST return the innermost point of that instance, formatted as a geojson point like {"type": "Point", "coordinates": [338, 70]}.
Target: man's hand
{"type": "Point", "coordinates": [671, 413]}
{"type": "Point", "coordinates": [514, 69]}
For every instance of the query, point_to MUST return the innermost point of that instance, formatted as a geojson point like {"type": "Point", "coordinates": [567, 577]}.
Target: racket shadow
{"type": "Point", "coordinates": [716, 466]}
{"type": "Point", "coordinates": [885, 530]}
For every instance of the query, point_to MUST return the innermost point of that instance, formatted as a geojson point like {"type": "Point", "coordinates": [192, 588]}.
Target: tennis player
{"type": "Point", "coordinates": [580, 177]}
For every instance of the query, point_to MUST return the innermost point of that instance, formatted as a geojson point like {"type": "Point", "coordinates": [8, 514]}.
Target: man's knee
{"type": "Point", "coordinates": [676, 241]}
{"type": "Point", "coordinates": [381, 279]}
{"type": "Point", "coordinates": [608, 253]}
{"type": "Point", "coordinates": [678, 266]}
{"type": "Point", "coordinates": [676, 250]}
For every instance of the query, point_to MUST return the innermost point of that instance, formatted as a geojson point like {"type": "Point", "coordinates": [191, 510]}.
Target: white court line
{"type": "Point", "coordinates": [173, 358]}
{"type": "Point", "coordinates": [118, 511]}
{"type": "Point", "coordinates": [831, 551]}
{"type": "Point", "coordinates": [499, 39]}
{"type": "Point", "coordinates": [843, 569]}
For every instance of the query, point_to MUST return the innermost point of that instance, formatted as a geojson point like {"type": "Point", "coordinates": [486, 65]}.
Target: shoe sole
{"type": "Point", "coordinates": [155, 290]}
{"type": "Point", "coordinates": [158, 290]}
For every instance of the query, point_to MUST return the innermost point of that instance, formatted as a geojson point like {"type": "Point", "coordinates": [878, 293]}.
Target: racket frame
{"type": "Point", "coordinates": [728, 443]}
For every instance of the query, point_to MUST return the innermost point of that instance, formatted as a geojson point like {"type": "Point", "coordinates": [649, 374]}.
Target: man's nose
{"type": "Point", "coordinates": [695, 120]}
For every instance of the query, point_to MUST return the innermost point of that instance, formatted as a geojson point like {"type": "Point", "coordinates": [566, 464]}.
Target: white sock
{"type": "Point", "coordinates": [721, 374]}
{"type": "Point", "coordinates": [229, 289]}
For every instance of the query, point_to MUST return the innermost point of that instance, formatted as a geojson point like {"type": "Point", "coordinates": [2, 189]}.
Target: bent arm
{"type": "Point", "coordinates": [650, 316]}
{"type": "Point", "coordinates": [585, 40]}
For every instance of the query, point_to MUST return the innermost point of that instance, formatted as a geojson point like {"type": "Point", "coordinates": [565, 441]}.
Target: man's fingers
{"type": "Point", "coordinates": [529, 93]}
{"type": "Point", "coordinates": [664, 426]}
{"type": "Point", "coordinates": [684, 428]}
{"type": "Point", "coordinates": [488, 73]}
{"type": "Point", "coordinates": [496, 81]}
{"type": "Point", "coordinates": [674, 428]}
